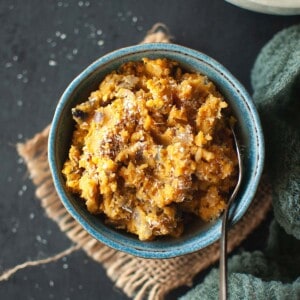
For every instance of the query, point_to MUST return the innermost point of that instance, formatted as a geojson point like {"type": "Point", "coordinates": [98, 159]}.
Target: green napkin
{"type": "Point", "coordinates": [276, 84]}
{"type": "Point", "coordinates": [275, 272]}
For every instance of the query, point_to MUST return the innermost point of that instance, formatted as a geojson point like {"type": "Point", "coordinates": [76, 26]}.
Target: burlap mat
{"type": "Point", "coordinates": [137, 277]}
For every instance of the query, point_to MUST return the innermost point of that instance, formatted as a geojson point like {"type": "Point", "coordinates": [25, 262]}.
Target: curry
{"type": "Point", "coordinates": [151, 146]}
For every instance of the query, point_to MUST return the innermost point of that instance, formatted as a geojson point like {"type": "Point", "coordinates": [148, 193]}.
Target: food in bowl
{"type": "Point", "coordinates": [151, 147]}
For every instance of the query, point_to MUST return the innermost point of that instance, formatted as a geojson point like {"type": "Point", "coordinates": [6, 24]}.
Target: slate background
{"type": "Point", "coordinates": [43, 46]}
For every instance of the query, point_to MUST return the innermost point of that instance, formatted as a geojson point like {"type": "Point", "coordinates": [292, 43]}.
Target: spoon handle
{"type": "Point", "coordinates": [223, 239]}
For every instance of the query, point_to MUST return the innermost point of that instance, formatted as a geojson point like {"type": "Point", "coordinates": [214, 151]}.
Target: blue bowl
{"type": "Point", "coordinates": [198, 235]}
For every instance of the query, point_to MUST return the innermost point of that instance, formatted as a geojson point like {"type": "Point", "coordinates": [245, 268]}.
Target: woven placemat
{"type": "Point", "coordinates": [137, 277]}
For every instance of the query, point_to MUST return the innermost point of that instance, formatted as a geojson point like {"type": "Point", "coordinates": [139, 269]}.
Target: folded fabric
{"type": "Point", "coordinates": [276, 84]}
{"type": "Point", "coordinates": [274, 273]}
{"type": "Point", "coordinates": [257, 275]}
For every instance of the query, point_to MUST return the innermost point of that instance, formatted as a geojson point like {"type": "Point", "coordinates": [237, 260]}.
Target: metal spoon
{"type": "Point", "coordinates": [223, 239]}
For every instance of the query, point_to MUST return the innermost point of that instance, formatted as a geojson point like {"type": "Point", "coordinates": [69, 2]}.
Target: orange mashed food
{"type": "Point", "coordinates": [152, 145]}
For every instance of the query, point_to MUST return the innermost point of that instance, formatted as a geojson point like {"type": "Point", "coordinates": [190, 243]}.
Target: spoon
{"type": "Point", "coordinates": [223, 238]}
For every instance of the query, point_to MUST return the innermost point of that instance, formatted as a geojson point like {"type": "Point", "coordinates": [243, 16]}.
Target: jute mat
{"type": "Point", "coordinates": [137, 277]}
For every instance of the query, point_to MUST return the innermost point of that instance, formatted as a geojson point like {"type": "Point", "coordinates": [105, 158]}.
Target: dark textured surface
{"type": "Point", "coordinates": [44, 44]}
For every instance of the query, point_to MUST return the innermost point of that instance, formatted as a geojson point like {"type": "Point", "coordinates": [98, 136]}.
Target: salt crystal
{"type": "Point", "coordinates": [69, 56]}
{"type": "Point", "coordinates": [19, 102]}
{"type": "Point", "coordinates": [100, 43]}
{"type": "Point", "coordinates": [134, 19]}
{"type": "Point", "coordinates": [65, 266]}
{"type": "Point", "coordinates": [87, 3]}
{"type": "Point", "coordinates": [8, 65]}
{"type": "Point", "coordinates": [14, 230]}
{"type": "Point", "coordinates": [80, 287]}
{"type": "Point", "coordinates": [15, 58]}
{"type": "Point", "coordinates": [43, 79]}
{"type": "Point", "coordinates": [63, 36]}
{"type": "Point", "coordinates": [53, 44]}
{"type": "Point", "coordinates": [75, 51]}
{"type": "Point", "coordinates": [49, 40]}
{"type": "Point", "coordinates": [99, 31]}
{"type": "Point", "coordinates": [41, 240]}
{"type": "Point", "coordinates": [59, 4]}
{"type": "Point", "coordinates": [25, 80]}
{"type": "Point", "coordinates": [57, 33]}
{"type": "Point", "coordinates": [80, 3]}
{"type": "Point", "coordinates": [20, 76]}
{"type": "Point", "coordinates": [24, 188]}
{"type": "Point", "coordinates": [31, 216]}
{"type": "Point", "coordinates": [20, 135]}
{"type": "Point", "coordinates": [52, 63]}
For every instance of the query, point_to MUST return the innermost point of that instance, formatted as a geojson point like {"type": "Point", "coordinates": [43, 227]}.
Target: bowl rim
{"type": "Point", "coordinates": [213, 233]}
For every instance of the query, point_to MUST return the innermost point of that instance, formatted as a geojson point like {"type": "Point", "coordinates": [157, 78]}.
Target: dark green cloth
{"type": "Point", "coordinates": [275, 272]}
{"type": "Point", "coordinates": [276, 84]}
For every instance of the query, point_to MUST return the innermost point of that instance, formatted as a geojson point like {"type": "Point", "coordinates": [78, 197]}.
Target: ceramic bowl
{"type": "Point", "coordinates": [198, 235]}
